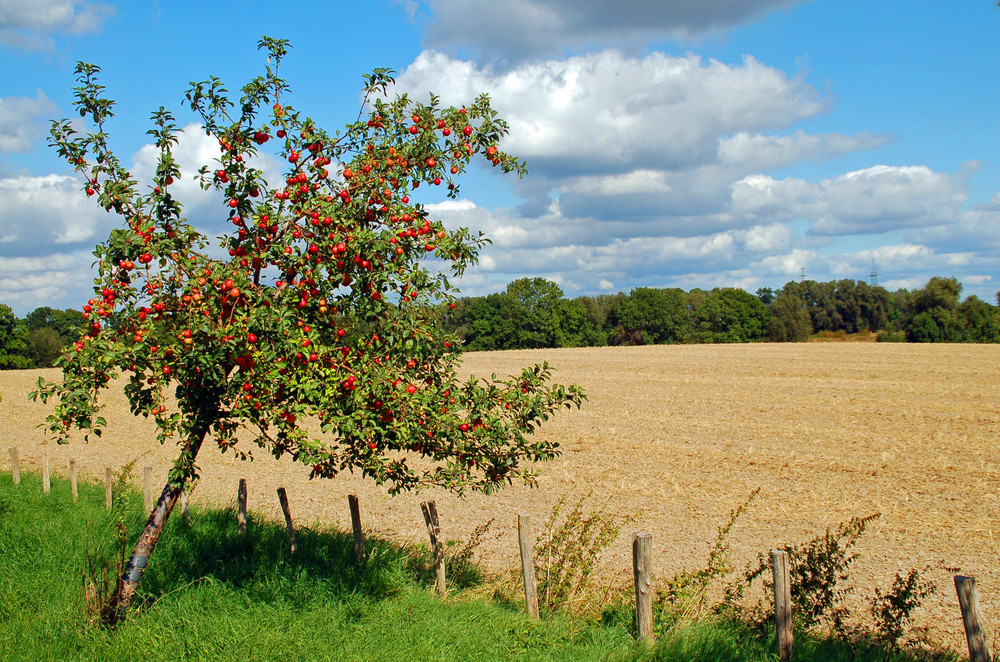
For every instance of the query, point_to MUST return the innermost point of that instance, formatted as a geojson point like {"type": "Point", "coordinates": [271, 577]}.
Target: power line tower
{"type": "Point", "coordinates": [873, 276]}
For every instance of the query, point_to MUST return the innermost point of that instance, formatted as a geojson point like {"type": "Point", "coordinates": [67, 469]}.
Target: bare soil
{"type": "Point", "coordinates": [678, 436]}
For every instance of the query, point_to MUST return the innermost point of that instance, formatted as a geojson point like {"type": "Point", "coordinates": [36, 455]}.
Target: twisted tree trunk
{"type": "Point", "coordinates": [128, 582]}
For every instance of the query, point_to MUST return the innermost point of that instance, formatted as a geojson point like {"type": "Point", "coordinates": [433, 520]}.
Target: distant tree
{"type": "Point", "coordinates": [936, 325]}
{"type": "Point", "coordinates": [934, 312]}
{"type": "Point", "coordinates": [597, 310]}
{"type": "Point", "coordinates": [939, 292]}
{"type": "Point", "coordinates": [979, 319]}
{"type": "Point", "coordinates": [536, 306]}
{"type": "Point", "coordinates": [924, 328]}
{"type": "Point", "coordinates": [821, 303]}
{"type": "Point", "coordinates": [900, 308]}
{"type": "Point", "coordinates": [13, 343]}
{"type": "Point", "coordinates": [766, 295]}
{"type": "Point", "coordinates": [874, 302]}
{"type": "Point", "coordinates": [530, 313]}
{"type": "Point", "coordinates": [69, 324]}
{"type": "Point", "coordinates": [695, 298]}
{"type": "Point", "coordinates": [487, 325]}
{"type": "Point", "coordinates": [653, 316]}
{"type": "Point", "coordinates": [44, 346]}
{"type": "Point", "coordinates": [731, 315]}
{"type": "Point", "coordinates": [790, 322]}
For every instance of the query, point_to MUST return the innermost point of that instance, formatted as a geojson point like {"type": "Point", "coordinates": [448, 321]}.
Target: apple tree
{"type": "Point", "coordinates": [309, 331]}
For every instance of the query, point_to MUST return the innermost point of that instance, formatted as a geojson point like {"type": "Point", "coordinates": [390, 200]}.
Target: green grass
{"type": "Point", "coordinates": [212, 594]}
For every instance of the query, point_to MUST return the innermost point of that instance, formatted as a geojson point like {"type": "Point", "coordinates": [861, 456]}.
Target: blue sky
{"type": "Point", "coordinates": [669, 143]}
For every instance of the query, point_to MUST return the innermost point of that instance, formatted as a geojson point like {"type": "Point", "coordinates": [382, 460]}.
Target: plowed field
{"type": "Point", "coordinates": [678, 436]}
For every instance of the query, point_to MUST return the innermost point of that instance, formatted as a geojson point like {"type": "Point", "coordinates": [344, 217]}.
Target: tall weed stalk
{"type": "Point", "coordinates": [683, 598]}
{"type": "Point", "coordinates": [568, 551]}
{"type": "Point", "coordinates": [102, 565]}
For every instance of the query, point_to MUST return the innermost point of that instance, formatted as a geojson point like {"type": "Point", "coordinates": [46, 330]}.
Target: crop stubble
{"type": "Point", "coordinates": [678, 436]}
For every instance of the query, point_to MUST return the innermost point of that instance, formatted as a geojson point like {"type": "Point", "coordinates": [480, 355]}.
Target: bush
{"type": "Point", "coordinates": [817, 569]}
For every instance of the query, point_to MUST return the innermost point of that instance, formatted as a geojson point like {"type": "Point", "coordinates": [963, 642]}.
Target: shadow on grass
{"type": "Point", "coordinates": [260, 563]}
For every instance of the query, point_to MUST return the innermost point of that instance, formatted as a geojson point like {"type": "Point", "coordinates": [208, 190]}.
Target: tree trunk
{"type": "Point", "coordinates": [128, 582]}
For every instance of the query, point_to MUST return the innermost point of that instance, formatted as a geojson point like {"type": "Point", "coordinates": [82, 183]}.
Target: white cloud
{"type": "Point", "coordinates": [755, 152]}
{"type": "Point", "coordinates": [27, 24]}
{"type": "Point", "coordinates": [885, 197]}
{"type": "Point", "coordinates": [786, 266]}
{"type": "Point", "coordinates": [606, 111]}
{"type": "Point", "coordinates": [523, 29]}
{"type": "Point", "coordinates": [446, 206]}
{"type": "Point", "coordinates": [655, 141]}
{"type": "Point", "coordinates": [874, 200]}
{"type": "Point", "coordinates": [629, 183]}
{"type": "Point", "coordinates": [977, 229]}
{"type": "Point", "coordinates": [36, 212]}
{"type": "Point", "coordinates": [19, 126]}
{"type": "Point", "coordinates": [58, 280]}
{"type": "Point", "coordinates": [765, 238]}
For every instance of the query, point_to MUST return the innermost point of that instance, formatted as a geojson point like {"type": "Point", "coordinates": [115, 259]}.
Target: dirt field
{"type": "Point", "coordinates": [680, 435]}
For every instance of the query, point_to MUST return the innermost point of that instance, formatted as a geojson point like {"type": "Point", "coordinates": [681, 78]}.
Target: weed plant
{"type": "Point", "coordinates": [818, 570]}
{"type": "Point", "coordinates": [567, 553]}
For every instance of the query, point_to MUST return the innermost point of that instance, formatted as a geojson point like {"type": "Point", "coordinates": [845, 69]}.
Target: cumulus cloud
{"type": "Point", "coordinates": [27, 25]}
{"type": "Point", "coordinates": [607, 111]}
{"type": "Point", "coordinates": [58, 280]}
{"type": "Point", "coordinates": [658, 170]}
{"type": "Point", "coordinates": [19, 125]}
{"type": "Point", "coordinates": [591, 254]}
{"type": "Point", "coordinates": [517, 30]}
{"type": "Point", "coordinates": [874, 200]}
{"type": "Point", "coordinates": [976, 229]}
{"type": "Point", "coordinates": [756, 152]}
{"type": "Point", "coordinates": [39, 212]}
{"type": "Point", "coordinates": [658, 139]}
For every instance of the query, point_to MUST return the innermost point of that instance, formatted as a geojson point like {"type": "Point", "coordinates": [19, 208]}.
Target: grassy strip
{"type": "Point", "coordinates": [212, 594]}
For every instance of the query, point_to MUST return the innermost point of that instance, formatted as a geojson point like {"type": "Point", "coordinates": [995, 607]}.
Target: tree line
{"type": "Point", "coordinates": [534, 313]}
{"type": "Point", "coordinates": [37, 339]}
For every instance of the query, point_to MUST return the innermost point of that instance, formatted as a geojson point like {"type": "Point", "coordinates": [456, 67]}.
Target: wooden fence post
{"type": "Point", "coordinates": [147, 487]}
{"type": "Point", "coordinates": [72, 479]}
{"type": "Point", "coordinates": [46, 484]}
{"type": "Point", "coordinates": [526, 545]}
{"type": "Point", "coordinates": [283, 499]}
{"type": "Point", "coordinates": [185, 511]}
{"type": "Point", "coordinates": [107, 488]}
{"type": "Point", "coordinates": [974, 633]}
{"type": "Point", "coordinates": [642, 565]}
{"type": "Point", "coordinates": [782, 603]}
{"type": "Point", "coordinates": [359, 534]}
{"type": "Point", "coordinates": [429, 509]}
{"type": "Point", "coordinates": [15, 468]}
{"type": "Point", "coordinates": [241, 510]}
